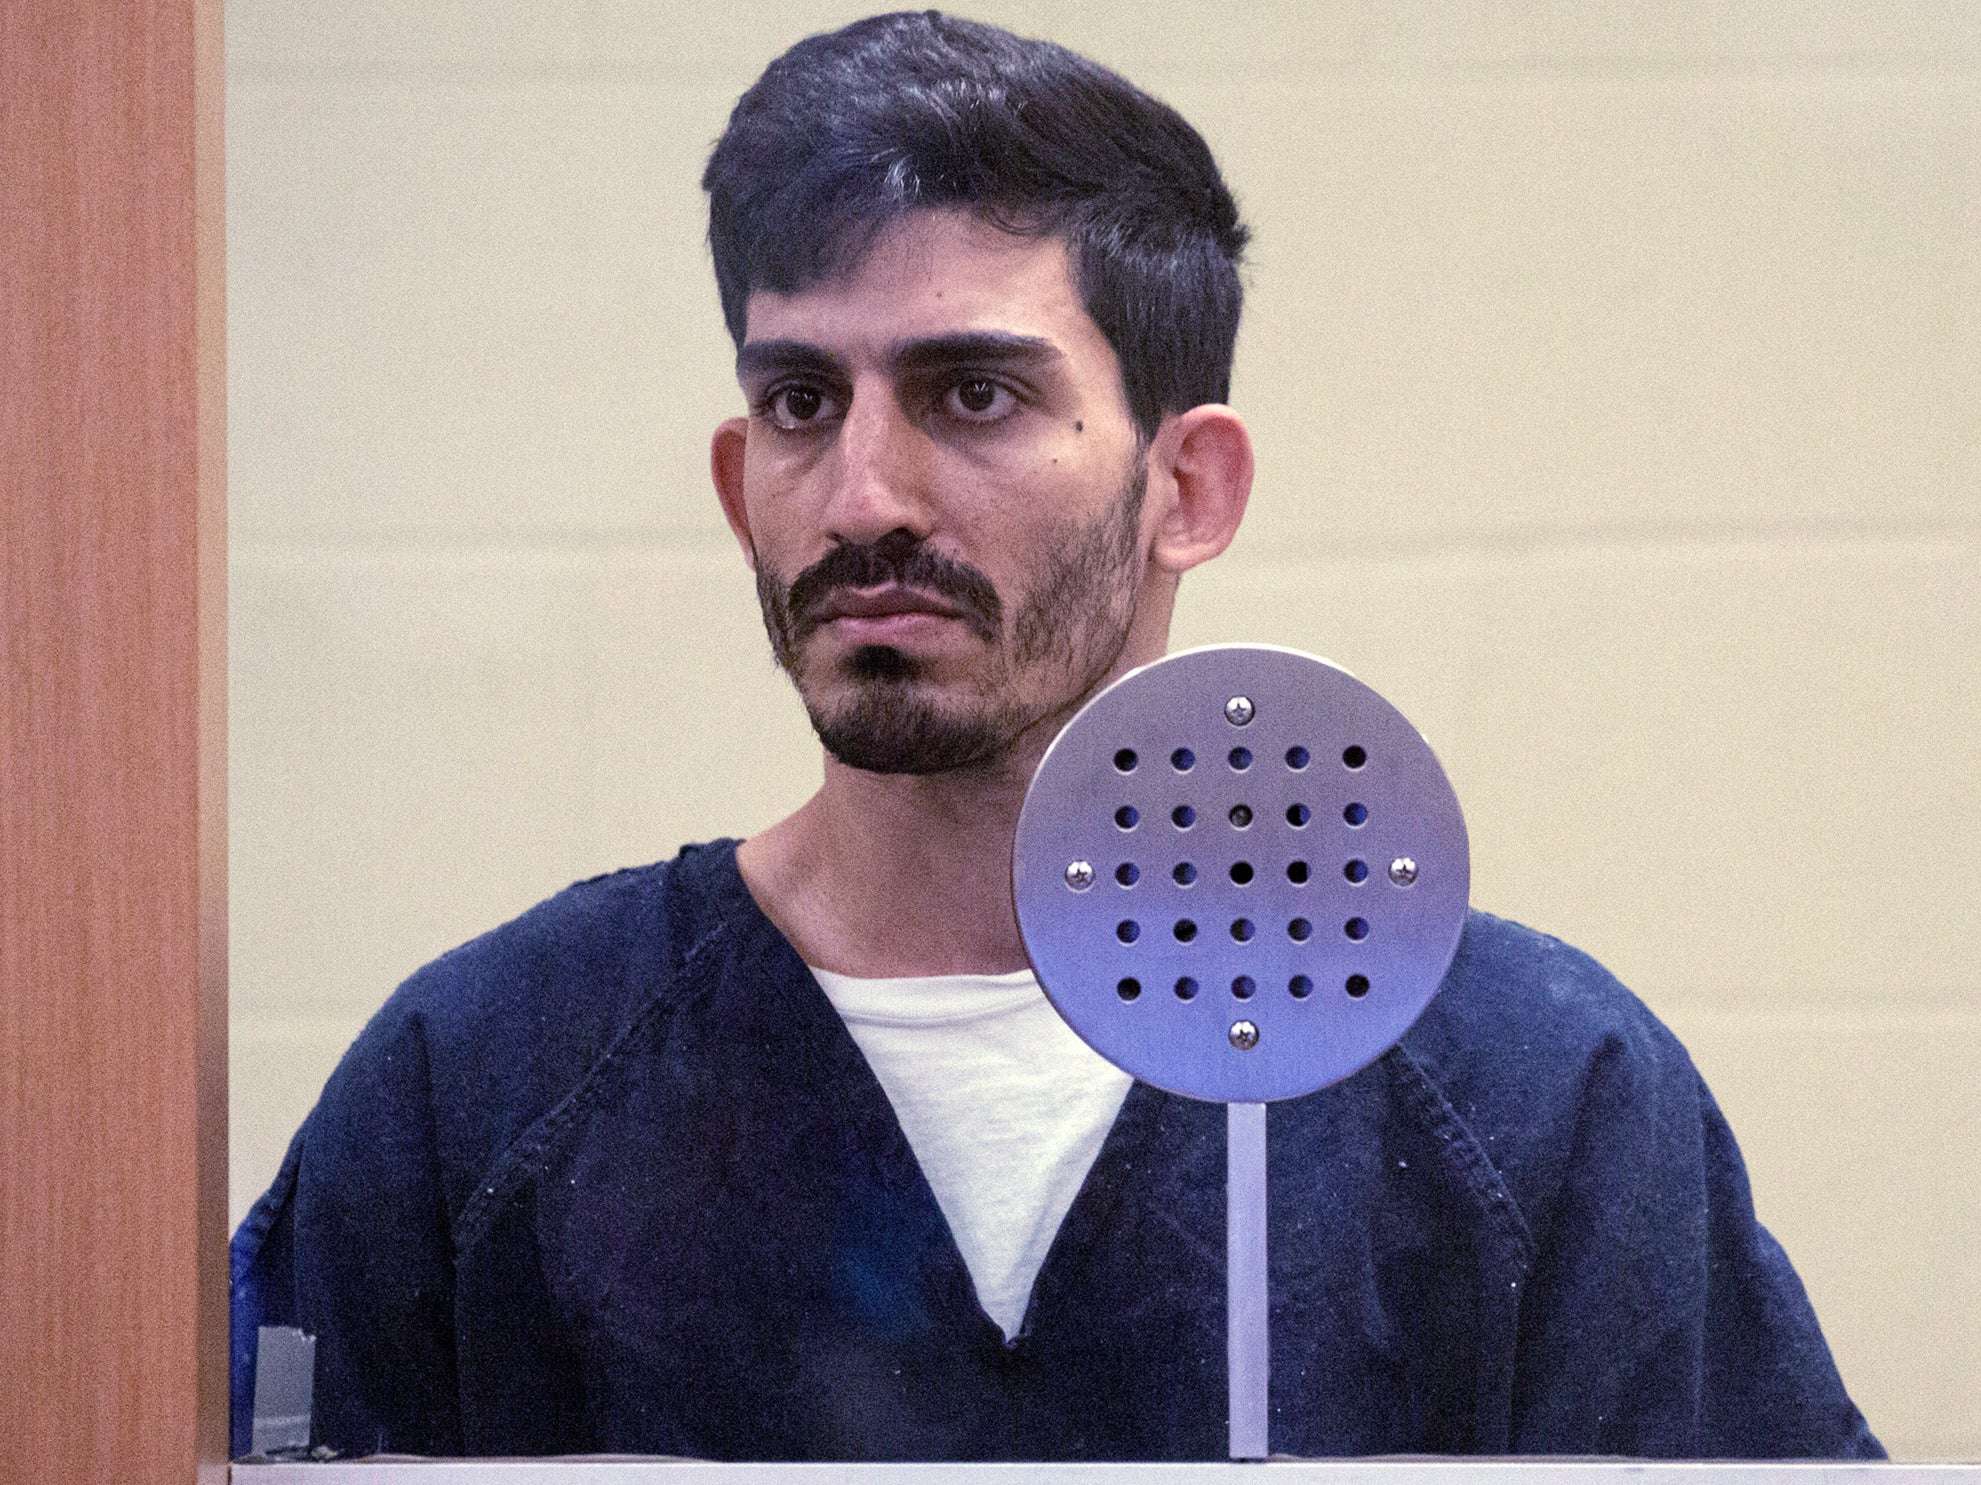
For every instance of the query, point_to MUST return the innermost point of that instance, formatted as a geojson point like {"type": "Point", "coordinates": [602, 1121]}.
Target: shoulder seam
{"type": "Point", "coordinates": [516, 1161]}
{"type": "Point", "coordinates": [1482, 1178]}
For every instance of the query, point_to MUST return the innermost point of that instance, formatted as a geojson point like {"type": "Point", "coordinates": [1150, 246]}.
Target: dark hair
{"type": "Point", "coordinates": [851, 130]}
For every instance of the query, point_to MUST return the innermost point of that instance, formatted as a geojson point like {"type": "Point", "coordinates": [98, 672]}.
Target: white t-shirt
{"type": "Point", "coordinates": [1004, 1107]}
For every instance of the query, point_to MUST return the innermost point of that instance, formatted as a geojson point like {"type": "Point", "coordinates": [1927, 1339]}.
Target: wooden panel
{"type": "Point", "coordinates": [112, 743]}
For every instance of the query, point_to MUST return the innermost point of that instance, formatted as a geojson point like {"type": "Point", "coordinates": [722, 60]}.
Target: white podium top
{"type": "Point", "coordinates": [1276, 1472]}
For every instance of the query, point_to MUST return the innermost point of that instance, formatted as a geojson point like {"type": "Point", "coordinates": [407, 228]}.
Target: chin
{"type": "Point", "coordinates": [881, 663]}
{"type": "Point", "coordinates": [885, 717]}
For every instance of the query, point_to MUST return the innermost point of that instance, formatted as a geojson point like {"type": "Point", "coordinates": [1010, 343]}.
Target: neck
{"type": "Point", "coordinates": [884, 875]}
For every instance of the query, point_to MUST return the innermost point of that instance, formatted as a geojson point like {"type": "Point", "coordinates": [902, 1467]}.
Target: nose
{"type": "Point", "coordinates": [881, 480]}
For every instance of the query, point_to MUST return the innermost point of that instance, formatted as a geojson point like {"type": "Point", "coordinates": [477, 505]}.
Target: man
{"type": "Point", "coordinates": [776, 1150]}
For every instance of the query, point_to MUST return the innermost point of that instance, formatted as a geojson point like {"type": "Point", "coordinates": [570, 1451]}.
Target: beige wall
{"type": "Point", "coordinates": [1616, 373]}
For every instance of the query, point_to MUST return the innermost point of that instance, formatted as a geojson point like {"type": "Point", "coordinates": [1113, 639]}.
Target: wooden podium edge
{"type": "Point", "coordinates": [113, 908]}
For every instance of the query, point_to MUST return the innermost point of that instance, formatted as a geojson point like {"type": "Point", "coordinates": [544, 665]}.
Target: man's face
{"type": "Point", "coordinates": [940, 488]}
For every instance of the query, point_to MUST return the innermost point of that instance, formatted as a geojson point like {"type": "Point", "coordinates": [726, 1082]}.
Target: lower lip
{"type": "Point", "coordinates": [886, 629]}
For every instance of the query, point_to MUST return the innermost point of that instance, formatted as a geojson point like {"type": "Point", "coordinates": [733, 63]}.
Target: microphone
{"type": "Point", "coordinates": [1240, 875]}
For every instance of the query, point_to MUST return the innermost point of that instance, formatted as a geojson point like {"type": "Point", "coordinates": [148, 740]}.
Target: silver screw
{"type": "Point", "coordinates": [1080, 876]}
{"type": "Point", "coordinates": [1244, 1035]}
{"type": "Point", "coordinates": [1238, 710]}
{"type": "Point", "coordinates": [1403, 871]}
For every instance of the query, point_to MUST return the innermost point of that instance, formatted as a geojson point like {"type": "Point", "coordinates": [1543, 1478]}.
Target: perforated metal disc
{"type": "Point", "coordinates": [1240, 911]}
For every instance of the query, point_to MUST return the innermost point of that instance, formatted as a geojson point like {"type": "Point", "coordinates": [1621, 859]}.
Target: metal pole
{"type": "Point", "coordinates": [1247, 1342]}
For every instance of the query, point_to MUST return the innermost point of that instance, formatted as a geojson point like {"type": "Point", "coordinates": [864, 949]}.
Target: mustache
{"type": "Point", "coordinates": [900, 557]}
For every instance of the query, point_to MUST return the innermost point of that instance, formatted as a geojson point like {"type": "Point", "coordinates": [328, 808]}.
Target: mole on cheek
{"type": "Point", "coordinates": [1079, 427]}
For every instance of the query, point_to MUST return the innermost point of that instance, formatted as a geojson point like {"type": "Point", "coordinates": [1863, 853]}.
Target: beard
{"type": "Point", "coordinates": [888, 718]}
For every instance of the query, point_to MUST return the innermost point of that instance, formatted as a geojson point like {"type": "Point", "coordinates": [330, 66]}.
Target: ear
{"type": "Point", "coordinates": [725, 467]}
{"type": "Point", "coordinates": [1200, 476]}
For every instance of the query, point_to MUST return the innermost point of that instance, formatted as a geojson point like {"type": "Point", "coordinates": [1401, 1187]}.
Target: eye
{"type": "Point", "coordinates": [799, 406]}
{"type": "Point", "coordinates": [978, 399]}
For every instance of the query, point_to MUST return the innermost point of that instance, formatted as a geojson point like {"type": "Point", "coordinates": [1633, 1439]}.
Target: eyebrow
{"type": "Point", "coordinates": [990, 348]}
{"type": "Point", "coordinates": [995, 349]}
{"type": "Point", "coordinates": [761, 358]}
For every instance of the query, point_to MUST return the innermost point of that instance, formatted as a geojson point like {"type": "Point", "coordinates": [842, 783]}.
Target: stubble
{"type": "Point", "coordinates": [1069, 631]}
